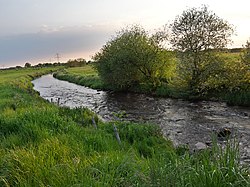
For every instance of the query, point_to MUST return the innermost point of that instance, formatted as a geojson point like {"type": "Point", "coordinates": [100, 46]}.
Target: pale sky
{"type": "Point", "coordinates": [35, 30]}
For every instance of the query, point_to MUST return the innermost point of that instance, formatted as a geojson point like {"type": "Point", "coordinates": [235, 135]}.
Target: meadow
{"type": "Point", "coordinates": [46, 145]}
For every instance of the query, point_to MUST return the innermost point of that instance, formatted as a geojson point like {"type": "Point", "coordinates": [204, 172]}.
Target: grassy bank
{"type": "Point", "coordinates": [88, 76]}
{"type": "Point", "coordinates": [45, 145]}
{"type": "Point", "coordinates": [85, 76]}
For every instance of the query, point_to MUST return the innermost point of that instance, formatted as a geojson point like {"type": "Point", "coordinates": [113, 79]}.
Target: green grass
{"type": "Point", "coordinates": [88, 70]}
{"type": "Point", "coordinates": [231, 57]}
{"type": "Point", "coordinates": [238, 98]}
{"type": "Point", "coordinates": [45, 145]}
{"type": "Point", "coordinates": [85, 76]}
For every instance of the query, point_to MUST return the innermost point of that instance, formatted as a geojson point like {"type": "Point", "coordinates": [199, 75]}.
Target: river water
{"type": "Point", "coordinates": [183, 122]}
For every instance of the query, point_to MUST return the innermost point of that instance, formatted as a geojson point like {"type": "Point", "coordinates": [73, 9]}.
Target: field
{"type": "Point", "coordinates": [46, 145]}
{"type": "Point", "coordinates": [86, 76]}
{"type": "Point", "coordinates": [88, 71]}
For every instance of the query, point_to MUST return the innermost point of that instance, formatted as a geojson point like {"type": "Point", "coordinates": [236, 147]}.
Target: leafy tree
{"type": "Point", "coordinates": [243, 73]}
{"type": "Point", "coordinates": [18, 67]}
{"type": "Point", "coordinates": [246, 61]}
{"type": "Point", "coordinates": [76, 63]}
{"type": "Point", "coordinates": [197, 34]}
{"type": "Point", "coordinates": [246, 55]}
{"type": "Point", "coordinates": [133, 57]}
{"type": "Point", "coordinates": [235, 75]}
{"type": "Point", "coordinates": [27, 65]}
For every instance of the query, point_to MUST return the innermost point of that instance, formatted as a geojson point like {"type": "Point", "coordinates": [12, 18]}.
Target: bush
{"type": "Point", "coordinates": [131, 58]}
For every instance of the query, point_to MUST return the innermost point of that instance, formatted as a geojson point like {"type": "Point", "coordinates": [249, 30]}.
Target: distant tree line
{"type": "Point", "coordinates": [79, 62]}
{"type": "Point", "coordinates": [76, 62]}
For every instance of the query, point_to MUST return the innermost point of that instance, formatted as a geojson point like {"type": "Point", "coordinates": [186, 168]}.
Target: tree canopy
{"type": "Point", "coordinates": [132, 57]}
{"type": "Point", "coordinates": [197, 34]}
{"type": "Point", "coordinates": [198, 65]}
{"type": "Point", "coordinates": [27, 65]}
{"type": "Point", "coordinates": [76, 62]}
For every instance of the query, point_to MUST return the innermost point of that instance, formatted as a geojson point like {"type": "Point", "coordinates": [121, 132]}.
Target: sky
{"type": "Point", "coordinates": [35, 31]}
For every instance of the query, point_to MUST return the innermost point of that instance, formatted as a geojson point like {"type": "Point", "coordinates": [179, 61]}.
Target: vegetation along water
{"type": "Point", "coordinates": [197, 66]}
{"type": "Point", "coordinates": [46, 145]}
{"type": "Point", "coordinates": [43, 144]}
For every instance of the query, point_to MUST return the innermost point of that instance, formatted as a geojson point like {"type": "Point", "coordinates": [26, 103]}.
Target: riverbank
{"type": "Point", "coordinates": [88, 76]}
{"type": "Point", "coordinates": [186, 123]}
{"type": "Point", "coordinates": [84, 76]}
{"type": "Point", "coordinates": [43, 144]}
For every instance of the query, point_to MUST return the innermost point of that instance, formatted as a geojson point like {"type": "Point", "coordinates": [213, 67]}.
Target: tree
{"type": "Point", "coordinates": [197, 34]}
{"type": "Point", "coordinates": [27, 65]}
{"type": "Point", "coordinates": [243, 73]}
{"type": "Point", "coordinates": [76, 62]}
{"type": "Point", "coordinates": [246, 55]}
{"type": "Point", "coordinates": [131, 58]}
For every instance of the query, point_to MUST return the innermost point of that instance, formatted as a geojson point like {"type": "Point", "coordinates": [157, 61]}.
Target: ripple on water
{"type": "Point", "coordinates": [182, 121]}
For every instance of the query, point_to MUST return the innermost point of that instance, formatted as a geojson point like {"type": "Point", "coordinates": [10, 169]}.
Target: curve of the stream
{"type": "Point", "coordinates": [183, 122]}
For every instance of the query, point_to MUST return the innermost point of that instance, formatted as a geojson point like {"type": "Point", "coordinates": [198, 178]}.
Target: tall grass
{"type": "Point", "coordinates": [44, 145]}
{"type": "Point", "coordinates": [238, 98]}
{"type": "Point", "coordinates": [213, 167]}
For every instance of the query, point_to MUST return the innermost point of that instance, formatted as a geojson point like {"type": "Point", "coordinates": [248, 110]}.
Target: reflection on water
{"type": "Point", "coordinates": [184, 122]}
{"type": "Point", "coordinates": [70, 95]}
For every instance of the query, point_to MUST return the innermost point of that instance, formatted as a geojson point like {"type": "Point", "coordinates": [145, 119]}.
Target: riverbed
{"type": "Point", "coordinates": [184, 122]}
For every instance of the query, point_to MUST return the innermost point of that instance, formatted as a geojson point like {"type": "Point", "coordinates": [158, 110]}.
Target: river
{"type": "Point", "coordinates": [182, 121]}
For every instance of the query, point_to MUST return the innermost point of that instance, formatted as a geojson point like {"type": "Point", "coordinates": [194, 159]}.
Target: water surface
{"type": "Point", "coordinates": [183, 121]}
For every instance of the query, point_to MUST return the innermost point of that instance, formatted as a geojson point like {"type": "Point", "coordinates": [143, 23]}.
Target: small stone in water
{"type": "Point", "coordinates": [224, 133]}
{"type": "Point", "coordinates": [200, 146]}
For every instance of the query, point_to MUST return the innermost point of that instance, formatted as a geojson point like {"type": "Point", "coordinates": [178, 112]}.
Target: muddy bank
{"type": "Point", "coordinates": [183, 122]}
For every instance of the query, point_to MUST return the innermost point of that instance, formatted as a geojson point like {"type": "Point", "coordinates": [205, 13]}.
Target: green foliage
{"type": "Point", "coordinates": [240, 97]}
{"type": "Point", "coordinates": [89, 81]}
{"type": "Point", "coordinates": [81, 116]}
{"type": "Point", "coordinates": [76, 63]}
{"type": "Point", "coordinates": [85, 76]}
{"type": "Point", "coordinates": [232, 82]}
{"type": "Point", "coordinates": [206, 168]}
{"type": "Point", "coordinates": [197, 34]}
{"type": "Point", "coordinates": [131, 58]}
{"type": "Point", "coordinates": [246, 54]}
{"type": "Point", "coordinates": [27, 65]}
{"type": "Point", "coordinates": [229, 81]}
{"type": "Point", "coordinates": [44, 145]}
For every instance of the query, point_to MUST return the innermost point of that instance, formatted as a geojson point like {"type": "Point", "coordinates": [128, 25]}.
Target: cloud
{"type": "Point", "coordinates": [48, 29]}
{"type": "Point", "coordinates": [45, 44]}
